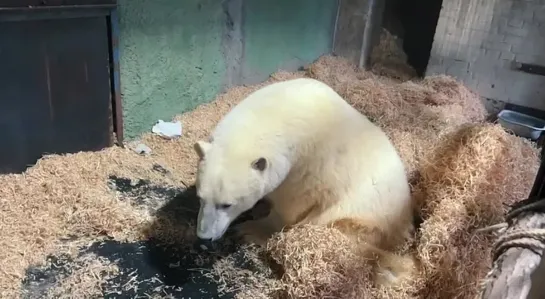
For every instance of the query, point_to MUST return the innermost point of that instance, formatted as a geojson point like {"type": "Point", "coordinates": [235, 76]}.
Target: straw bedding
{"type": "Point", "coordinates": [463, 171]}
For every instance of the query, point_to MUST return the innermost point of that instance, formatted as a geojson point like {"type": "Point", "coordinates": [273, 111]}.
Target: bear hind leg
{"type": "Point", "coordinates": [360, 230]}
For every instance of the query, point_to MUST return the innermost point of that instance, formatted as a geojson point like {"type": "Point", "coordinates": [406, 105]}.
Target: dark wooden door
{"type": "Point", "coordinates": [55, 94]}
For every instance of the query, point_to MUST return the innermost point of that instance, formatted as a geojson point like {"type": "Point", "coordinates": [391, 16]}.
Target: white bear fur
{"type": "Point", "coordinates": [325, 161]}
{"type": "Point", "coordinates": [326, 164]}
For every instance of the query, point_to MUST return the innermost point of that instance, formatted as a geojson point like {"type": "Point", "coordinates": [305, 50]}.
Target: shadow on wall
{"type": "Point", "coordinates": [415, 22]}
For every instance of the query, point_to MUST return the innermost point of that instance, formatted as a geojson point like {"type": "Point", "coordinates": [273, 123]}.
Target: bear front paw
{"type": "Point", "coordinates": [250, 232]}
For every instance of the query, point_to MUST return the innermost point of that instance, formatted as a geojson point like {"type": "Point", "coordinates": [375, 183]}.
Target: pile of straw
{"type": "Point", "coordinates": [462, 170]}
{"type": "Point", "coordinates": [389, 60]}
{"type": "Point", "coordinates": [321, 262]}
{"type": "Point", "coordinates": [472, 174]}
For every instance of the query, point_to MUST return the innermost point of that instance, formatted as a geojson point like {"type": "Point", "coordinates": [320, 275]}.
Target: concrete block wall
{"type": "Point", "coordinates": [478, 42]}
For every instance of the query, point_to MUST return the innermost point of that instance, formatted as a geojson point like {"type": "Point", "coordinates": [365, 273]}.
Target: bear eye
{"type": "Point", "coordinates": [223, 206]}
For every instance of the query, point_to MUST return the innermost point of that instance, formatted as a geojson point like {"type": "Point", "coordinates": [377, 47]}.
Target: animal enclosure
{"type": "Point", "coordinates": [105, 220]}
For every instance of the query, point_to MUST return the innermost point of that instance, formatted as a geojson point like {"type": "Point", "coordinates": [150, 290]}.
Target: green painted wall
{"type": "Point", "coordinates": [285, 34]}
{"type": "Point", "coordinates": [173, 52]}
{"type": "Point", "coordinates": [171, 58]}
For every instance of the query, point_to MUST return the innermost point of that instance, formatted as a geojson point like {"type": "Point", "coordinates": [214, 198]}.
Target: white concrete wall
{"type": "Point", "coordinates": [477, 42]}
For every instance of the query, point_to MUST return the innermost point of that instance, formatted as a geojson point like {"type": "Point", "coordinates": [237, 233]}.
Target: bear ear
{"type": "Point", "coordinates": [201, 147]}
{"type": "Point", "coordinates": [259, 164]}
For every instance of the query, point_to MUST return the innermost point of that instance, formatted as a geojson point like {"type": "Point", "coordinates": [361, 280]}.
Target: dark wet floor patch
{"type": "Point", "coordinates": [156, 270]}
{"type": "Point", "coordinates": [150, 267]}
{"type": "Point", "coordinates": [142, 192]}
{"type": "Point", "coordinates": [38, 280]}
{"type": "Point", "coordinates": [146, 268]}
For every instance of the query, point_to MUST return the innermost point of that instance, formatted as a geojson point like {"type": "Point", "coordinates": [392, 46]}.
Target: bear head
{"type": "Point", "coordinates": [229, 182]}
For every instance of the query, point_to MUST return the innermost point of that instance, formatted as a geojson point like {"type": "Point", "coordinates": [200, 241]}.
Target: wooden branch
{"type": "Point", "coordinates": [511, 274]}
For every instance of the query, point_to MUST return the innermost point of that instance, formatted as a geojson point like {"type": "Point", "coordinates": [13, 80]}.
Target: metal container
{"type": "Point", "coordinates": [521, 124]}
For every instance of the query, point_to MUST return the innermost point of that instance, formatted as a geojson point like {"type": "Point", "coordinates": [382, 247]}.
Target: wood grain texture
{"type": "Point", "coordinates": [512, 272]}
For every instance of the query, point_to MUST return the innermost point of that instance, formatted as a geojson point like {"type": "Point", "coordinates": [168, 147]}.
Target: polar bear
{"type": "Point", "coordinates": [318, 160]}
